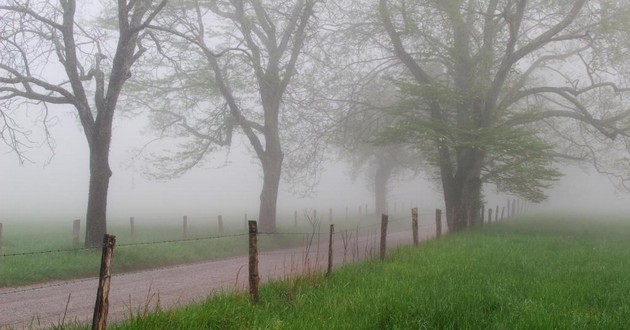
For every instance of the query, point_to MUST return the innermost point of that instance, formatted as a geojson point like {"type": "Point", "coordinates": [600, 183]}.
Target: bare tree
{"type": "Point", "coordinates": [50, 57]}
{"type": "Point", "coordinates": [233, 74]}
{"type": "Point", "coordinates": [512, 74]}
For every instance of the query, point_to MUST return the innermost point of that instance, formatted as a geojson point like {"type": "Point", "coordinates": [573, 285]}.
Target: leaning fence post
{"type": "Point", "coordinates": [253, 260]}
{"type": "Point", "coordinates": [414, 225]}
{"type": "Point", "coordinates": [220, 220]}
{"type": "Point", "coordinates": [438, 223]}
{"type": "Point", "coordinates": [384, 220]}
{"type": "Point", "coordinates": [99, 320]}
{"type": "Point", "coordinates": [76, 229]}
{"type": "Point", "coordinates": [330, 249]}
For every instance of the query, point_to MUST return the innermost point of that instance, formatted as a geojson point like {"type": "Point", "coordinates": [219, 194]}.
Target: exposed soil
{"type": "Point", "coordinates": [44, 305]}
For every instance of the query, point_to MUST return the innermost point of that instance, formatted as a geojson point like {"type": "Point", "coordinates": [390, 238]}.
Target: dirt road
{"type": "Point", "coordinates": [42, 306]}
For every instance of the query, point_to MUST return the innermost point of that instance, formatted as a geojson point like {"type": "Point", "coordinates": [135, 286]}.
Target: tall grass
{"type": "Point", "coordinates": [537, 273]}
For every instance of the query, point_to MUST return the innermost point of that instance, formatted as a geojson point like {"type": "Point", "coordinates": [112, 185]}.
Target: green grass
{"type": "Point", "coordinates": [537, 273]}
{"type": "Point", "coordinates": [153, 246]}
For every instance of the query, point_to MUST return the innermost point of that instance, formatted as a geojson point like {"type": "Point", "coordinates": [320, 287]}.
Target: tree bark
{"type": "Point", "coordinates": [272, 169]}
{"type": "Point", "coordinates": [462, 191]}
{"type": "Point", "coordinates": [100, 174]}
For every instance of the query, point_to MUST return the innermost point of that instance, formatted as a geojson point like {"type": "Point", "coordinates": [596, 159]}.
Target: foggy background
{"type": "Point", "coordinates": [230, 184]}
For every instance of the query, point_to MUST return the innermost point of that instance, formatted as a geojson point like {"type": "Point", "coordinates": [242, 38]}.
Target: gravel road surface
{"type": "Point", "coordinates": [43, 305]}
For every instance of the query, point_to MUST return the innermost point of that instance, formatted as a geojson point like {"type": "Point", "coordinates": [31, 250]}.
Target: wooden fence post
{"type": "Point", "coordinates": [76, 229]}
{"type": "Point", "coordinates": [133, 228]}
{"type": "Point", "coordinates": [185, 225]}
{"type": "Point", "coordinates": [253, 260]}
{"type": "Point", "coordinates": [330, 249]}
{"type": "Point", "coordinates": [438, 223]}
{"type": "Point", "coordinates": [220, 220]}
{"type": "Point", "coordinates": [99, 320]}
{"type": "Point", "coordinates": [414, 225]}
{"type": "Point", "coordinates": [384, 221]}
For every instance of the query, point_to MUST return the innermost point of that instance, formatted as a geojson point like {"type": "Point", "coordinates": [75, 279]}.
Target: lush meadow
{"type": "Point", "coordinates": [35, 252]}
{"type": "Point", "coordinates": [528, 273]}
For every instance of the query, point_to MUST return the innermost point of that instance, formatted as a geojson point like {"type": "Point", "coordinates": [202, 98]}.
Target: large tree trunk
{"type": "Point", "coordinates": [272, 168]}
{"type": "Point", "coordinates": [100, 173]}
{"type": "Point", "coordinates": [462, 191]}
{"type": "Point", "coordinates": [381, 178]}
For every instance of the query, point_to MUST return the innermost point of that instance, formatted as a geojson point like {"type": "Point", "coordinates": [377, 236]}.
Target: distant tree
{"type": "Point", "coordinates": [49, 56]}
{"type": "Point", "coordinates": [504, 88]}
{"type": "Point", "coordinates": [372, 110]}
{"type": "Point", "coordinates": [228, 66]}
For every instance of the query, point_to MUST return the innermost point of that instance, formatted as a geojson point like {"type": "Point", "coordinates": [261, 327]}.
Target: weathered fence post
{"type": "Point", "coordinates": [253, 260]}
{"type": "Point", "coordinates": [414, 225]}
{"type": "Point", "coordinates": [185, 224]}
{"type": "Point", "coordinates": [330, 250]}
{"type": "Point", "coordinates": [438, 223]}
{"type": "Point", "coordinates": [220, 221]}
{"type": "Point", "coordinates": [99, 320]}
{"type": "Point", "coordinates": [76, 229]}
{"type": "Point", "coordinates": [384, 221]}
{"type": "Point", "coordinates": [133, 229]}
{"type": "Point", "coordinates": [489, 215]}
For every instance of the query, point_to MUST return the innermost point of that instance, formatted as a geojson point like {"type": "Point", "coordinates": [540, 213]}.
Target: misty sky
{"type": "Point", "coordinates": [59, 189]}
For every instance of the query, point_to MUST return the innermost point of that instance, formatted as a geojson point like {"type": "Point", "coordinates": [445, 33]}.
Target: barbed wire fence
{"type": "Point", "coordinates": [359, 240]}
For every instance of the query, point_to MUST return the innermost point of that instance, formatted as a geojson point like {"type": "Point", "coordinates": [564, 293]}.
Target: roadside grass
{"type": "Point", "coordinates": [528, 273]}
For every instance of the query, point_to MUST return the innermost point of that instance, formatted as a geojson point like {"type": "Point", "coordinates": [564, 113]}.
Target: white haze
{"type": "Point", "coordinates": [226, 186]}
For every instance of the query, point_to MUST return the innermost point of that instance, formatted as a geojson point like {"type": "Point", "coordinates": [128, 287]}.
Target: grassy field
{"type": "Point", "coordinates": [529, 273]}
{"type": "Point", "coordinates": [40, 252]}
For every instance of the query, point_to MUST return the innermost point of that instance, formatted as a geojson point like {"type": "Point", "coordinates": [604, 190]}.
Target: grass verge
{"type": "Point", "coordinates": [536, 273]}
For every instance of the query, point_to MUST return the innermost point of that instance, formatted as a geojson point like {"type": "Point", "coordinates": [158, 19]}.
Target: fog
{"type": "Point", "coordinates": [229, 184]}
